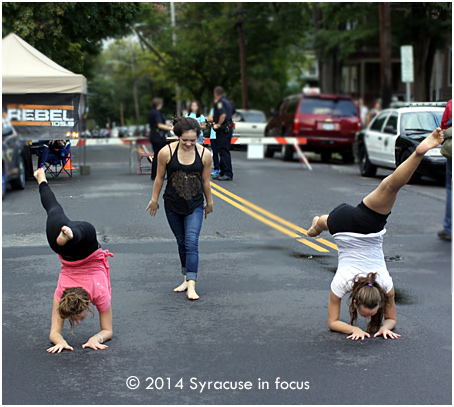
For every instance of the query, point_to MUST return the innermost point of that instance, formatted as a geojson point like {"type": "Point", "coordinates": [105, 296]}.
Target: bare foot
{"type": "Point", "coordinates": [65, 236]}
{"type": "Point", "coordinates": [192, 295]}
{"type": "Point", "coordinates": [313, 232]}
{"type": "Point", "coordinates": [432, 141]}
{"type": "Point", "coordinates": [40, 175]}
{"type": "Point", "coordinates": [181, 288]}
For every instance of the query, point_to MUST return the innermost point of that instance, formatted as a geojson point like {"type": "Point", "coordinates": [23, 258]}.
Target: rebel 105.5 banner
{"type": "Point", "coordinates": [45, 116]}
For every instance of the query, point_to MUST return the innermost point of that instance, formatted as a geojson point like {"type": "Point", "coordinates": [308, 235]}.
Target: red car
{"type": "Point", "coordinates": [328, 122]}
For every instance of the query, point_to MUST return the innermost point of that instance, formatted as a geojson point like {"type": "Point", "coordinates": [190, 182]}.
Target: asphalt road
{"type": "Point", "coordinates": [262, 315]}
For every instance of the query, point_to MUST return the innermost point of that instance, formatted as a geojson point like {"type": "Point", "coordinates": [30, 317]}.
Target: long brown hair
{"type": "Point", "coordinates": [368, 293]}
{"type": "Point", "coordinates": [184, 124]}
{"type": "Point", "coordinates": [74, 301]}
{"type": "Point", "coordinates": [199, 111]}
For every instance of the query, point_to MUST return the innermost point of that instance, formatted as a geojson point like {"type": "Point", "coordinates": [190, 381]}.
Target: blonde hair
{"type": "Point", "coordinates": [74, 301]}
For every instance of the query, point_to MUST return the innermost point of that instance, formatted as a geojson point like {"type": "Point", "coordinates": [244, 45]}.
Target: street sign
{"type": "Point", "coordinates": [406, 56]}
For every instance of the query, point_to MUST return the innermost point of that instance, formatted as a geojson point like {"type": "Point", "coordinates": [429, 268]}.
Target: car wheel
{"type": "Point", "coordinates": [348, 157]}
{"type": "Point", "coordinates": [326, 156]}
{"type": "Point", "coordinates": [19, 183]}
{"type": "Point", "coordinates": [287, 153]}
{"type": "Point", "coordinates": [415, 178]}
{"type": "Point", "coordinates": [366, 168]}
{"type": "Point", "coordinates": [269, 152]}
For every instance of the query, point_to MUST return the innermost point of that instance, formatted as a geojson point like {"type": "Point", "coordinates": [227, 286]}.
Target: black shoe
{"type": "Point", "coordinates": [215, 176]}
{"type": "Point", "coordinates": [225, 178]}
{"type": "Point", "coordinates": [444, 236]}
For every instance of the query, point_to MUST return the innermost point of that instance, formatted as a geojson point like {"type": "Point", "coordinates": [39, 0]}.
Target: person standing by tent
{"type": "Point", "coordinates": [157, 132]}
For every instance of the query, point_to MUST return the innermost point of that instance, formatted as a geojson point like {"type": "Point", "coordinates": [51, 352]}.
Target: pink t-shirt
{"type": "Point", "coordinates": [92, 274]}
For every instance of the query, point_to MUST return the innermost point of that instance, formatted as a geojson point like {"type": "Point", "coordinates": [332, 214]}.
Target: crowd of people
{"type": "Point", "coordinates": [357, 230]}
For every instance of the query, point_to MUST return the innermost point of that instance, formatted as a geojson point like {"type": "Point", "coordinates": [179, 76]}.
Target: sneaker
{"type": "Point", "coordinates": [215, 172]}
{"type": "Point", "coordinates": [224, 178]}
{"type": "Point", "coordinates": [444, 236]}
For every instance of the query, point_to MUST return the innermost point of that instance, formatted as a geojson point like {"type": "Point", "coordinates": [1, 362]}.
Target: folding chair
{"type": "Point", "coordinates": [143, 152]}
{"type": "Point", "coordinates": [55, 164]}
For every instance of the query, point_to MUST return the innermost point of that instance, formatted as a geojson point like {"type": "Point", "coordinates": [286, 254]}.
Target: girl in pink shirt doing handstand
{"type": "Point", "coordinates": [84, 277]}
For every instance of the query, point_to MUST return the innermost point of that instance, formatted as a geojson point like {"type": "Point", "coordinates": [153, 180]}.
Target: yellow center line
{"type": "Point", "coordinates": [268, 222]}
{"type": "Point", "coordinates": [273, 216]}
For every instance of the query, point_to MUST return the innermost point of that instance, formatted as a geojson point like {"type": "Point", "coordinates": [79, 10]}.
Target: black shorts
{"type": "Point", "coordinates": [347, 218]}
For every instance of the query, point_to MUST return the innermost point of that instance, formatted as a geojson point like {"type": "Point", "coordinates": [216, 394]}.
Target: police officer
{"type": "Point", "coordinates": [157, 132]}
{"type": "Point", "coordinates": [222, 118]}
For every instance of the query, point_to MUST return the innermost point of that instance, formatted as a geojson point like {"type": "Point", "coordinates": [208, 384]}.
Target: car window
{"type": "Point", "coordinates": [419, 122]}
{"type": "Point", "coordinates": [377, 124]}
{"type": "Point", "coordinates": [256, 117]}
{"type": "Point", "coordinates": [333, 107]}
{"type": "Point", "coordinates": [392, 121]}
{"type": "Point", "coordinates": [237, 117]}
{"type": "Point", "coordinates": [291, 105]}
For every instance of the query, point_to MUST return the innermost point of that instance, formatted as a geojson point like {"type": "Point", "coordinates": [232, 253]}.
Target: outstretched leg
{"type": "Point", "coordinates": [56, 226]}
{"type": "Point", "coordinates": [382, 199]}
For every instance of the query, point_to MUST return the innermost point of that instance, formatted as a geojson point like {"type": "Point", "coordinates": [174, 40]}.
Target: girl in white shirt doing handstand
{"type": "Point", "coordinates": [358, 233]}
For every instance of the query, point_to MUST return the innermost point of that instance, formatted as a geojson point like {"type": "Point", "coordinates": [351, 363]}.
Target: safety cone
{"type": "Point", "coordinates": [69, 166]}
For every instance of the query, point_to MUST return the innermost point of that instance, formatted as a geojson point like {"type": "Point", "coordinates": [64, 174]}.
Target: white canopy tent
{"type": "Point", "coordinates": [26, 70]}
{"type": "Point", "coordinates": [43, 99]}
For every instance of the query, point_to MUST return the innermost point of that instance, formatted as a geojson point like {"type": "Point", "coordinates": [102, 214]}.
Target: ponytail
{"type": "Point", "coordinates": [368, 293]}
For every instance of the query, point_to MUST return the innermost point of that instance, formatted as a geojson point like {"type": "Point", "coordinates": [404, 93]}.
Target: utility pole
{"type": "Point", "coordinates": [174, 41]}
{"type": "Point", "coordinates": [240, 24]}
{"type": "Point", "coordinates": [385, 55]}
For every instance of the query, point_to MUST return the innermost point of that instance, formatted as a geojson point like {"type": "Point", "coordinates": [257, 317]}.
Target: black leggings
{"type": "Point", "coordinates": [84, 240]}
{"type": "Point", "coordinates": [359, 219]}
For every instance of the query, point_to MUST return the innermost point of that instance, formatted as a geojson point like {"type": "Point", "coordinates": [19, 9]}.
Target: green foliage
{"type": "Point", "coordinates": [68, 33]}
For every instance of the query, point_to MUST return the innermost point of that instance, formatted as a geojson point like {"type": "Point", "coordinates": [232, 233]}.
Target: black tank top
{"type": "Point", "coordinates": [184, 190]}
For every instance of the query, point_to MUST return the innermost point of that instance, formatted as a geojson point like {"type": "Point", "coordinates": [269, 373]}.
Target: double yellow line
{"type": "Point", "coordinates": [276, 222]}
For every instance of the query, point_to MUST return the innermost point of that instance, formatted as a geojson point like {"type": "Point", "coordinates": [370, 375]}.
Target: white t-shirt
{"type": "Point", "coordinates": [359, 255]}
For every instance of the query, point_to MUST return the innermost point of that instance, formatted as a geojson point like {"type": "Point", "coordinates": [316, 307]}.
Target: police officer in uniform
{"type": "Point", "coordinates": [222, 118]}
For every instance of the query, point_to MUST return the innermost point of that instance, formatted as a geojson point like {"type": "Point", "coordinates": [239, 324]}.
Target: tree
{"type": "Point", "coordinates": [69, 33]}
{"type": "Point", "coordinates": [339, 29]}
{"type": "Point", "coordinates": [426, 27]}
{"type": "Point", "coordinates": [206, 53]}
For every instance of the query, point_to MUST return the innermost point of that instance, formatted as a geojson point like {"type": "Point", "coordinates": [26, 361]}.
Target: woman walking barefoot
{"type": "Point", "coordinates": [84, 276]}
{"type": "Point", "coordinates": [361, 270]}
{"type": "Point", "coordinates": [188, 167]}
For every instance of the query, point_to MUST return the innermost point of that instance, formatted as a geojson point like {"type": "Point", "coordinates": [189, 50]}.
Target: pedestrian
{"type": "Point", "coordinates": [196, 113]}
{"type": "Point", "coordinates": [446, 232]}
{"type": "Point", "coordinates": [222, 116]}
{"type": "Point", "coordinates": [53, 151]}
{"type": "Point", "coordinates": [188, 168]}
{"type": "Point", "coordinates": [84, 276]}
{"type": "Point", "coordinates": [158, 128]}
{"type": "Point", "coordinates": [374, 111]}
{"type": "Point", "coordinates": [363, 111]}
{"type": "Point", "coordinates": [358, 233]}
{"type": "Point", "coordinates": [214, 146]}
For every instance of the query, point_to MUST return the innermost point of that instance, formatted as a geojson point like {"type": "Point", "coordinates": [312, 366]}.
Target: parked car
{"type": "Point", "coordinates": [249, 123]}
{"type": "Point", "coordinates": [15, 158]}
{"type": "Point", "coordinates": [328, 122]}
{"type": "Point", "coordinates": [393, 135]}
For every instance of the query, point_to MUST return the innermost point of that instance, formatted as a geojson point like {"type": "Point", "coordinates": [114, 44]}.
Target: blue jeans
{"type": "Point", "coordinates": [448, 215]}
{"type": "Point", "coordinates": [186, 229]}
